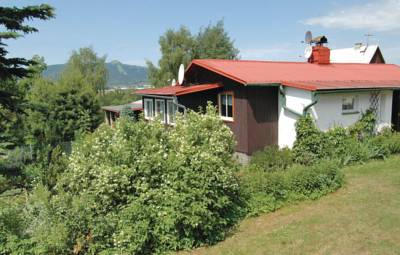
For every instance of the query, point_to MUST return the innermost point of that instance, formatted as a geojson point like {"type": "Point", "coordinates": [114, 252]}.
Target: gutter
{"type": "Point", "coordinates": [306, 108]}
{"type": "Point", "coordinates": [314, 101]}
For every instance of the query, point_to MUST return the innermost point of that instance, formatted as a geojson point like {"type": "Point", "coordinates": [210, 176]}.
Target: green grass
{"type": "Point", "coordinates": [363, 217]}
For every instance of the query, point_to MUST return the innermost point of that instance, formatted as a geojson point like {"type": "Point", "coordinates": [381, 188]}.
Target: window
{"type": "Point", "coordinates": [349, 104]}
{"type": "Point", "coordinates": [171, 110]}
{"type": "Point", "coordinates": [148, 109]}
{"type": "Point", "coordinates": [160, 109]}
{"type": "Point", "coordinates": [226, 106]}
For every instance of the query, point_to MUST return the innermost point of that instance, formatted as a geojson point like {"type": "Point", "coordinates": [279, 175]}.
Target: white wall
{"type": "Point", "coordinates": [296, 99]}
{"type": "Point", "coordinates": [328, 111]}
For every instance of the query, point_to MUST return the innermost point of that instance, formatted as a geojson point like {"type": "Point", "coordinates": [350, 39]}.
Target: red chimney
{"type": "Point", "coordinates": [320, 55]}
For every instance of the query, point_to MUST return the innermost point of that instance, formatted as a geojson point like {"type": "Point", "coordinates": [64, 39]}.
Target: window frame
{"type": "Point", "coordinates": [157, 113]}
{"type": "Point", "coordinates": [146, 110]}
{"type": "Point", "coordinates": [226, 118]}
{"type": "Point", "coordinates": [355, 105]}
{"type": "Point", "coordinates": [170, 101]}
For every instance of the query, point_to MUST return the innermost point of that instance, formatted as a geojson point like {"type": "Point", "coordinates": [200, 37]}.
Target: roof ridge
{"type": "Point", "coordinates": [284, 62]}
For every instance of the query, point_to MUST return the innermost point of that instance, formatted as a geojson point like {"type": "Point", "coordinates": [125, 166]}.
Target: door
{"type": "Point", "coordinates": [396, 110]}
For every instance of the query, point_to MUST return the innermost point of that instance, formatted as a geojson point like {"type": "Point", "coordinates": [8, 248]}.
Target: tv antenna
{"type": "Point", "coordinates": [367, 36]}
{"type": "Point", "coordinates": [308, 37]}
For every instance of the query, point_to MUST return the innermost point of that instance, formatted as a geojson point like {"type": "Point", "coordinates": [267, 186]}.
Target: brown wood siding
{"type": "Point", "coordinates": [262, 115]}
{"type": "Point", "coordinates": [199, 100]}
{"type": "Point", "coordinates": [377, 58]}
{"type": "Point", "coordinates": [255, 123]}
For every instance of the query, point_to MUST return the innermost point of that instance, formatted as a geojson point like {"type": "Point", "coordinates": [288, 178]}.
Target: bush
{"type": "Point", "coordinates": [141, 188]}
{"type": "Point", "coordinates": [271, 158]}
{"type": "Point", "coordinates": [310, 145]}
{"type": "Point", "coordinates": [358, 143]}
{"type": "Point", "coordinates": [268, 191]}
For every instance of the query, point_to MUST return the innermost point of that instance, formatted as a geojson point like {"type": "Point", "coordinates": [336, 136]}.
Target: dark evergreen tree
{"type": "Point", "coordinates": [12, 19]}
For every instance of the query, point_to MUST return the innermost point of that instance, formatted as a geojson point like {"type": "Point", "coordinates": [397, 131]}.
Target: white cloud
{"type": "Point", "coordinates": [382, 15]}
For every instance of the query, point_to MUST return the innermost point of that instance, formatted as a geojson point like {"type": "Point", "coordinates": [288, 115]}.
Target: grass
{"type": "Point", "coordinates": [363, 217]}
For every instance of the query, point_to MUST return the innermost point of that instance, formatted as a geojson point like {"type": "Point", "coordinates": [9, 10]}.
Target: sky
{"type": "Point", "coordinates": [129, 30]}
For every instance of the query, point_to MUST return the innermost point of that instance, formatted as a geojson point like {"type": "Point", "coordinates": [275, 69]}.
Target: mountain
{"type": "Point", "coordinates": [119, 74]}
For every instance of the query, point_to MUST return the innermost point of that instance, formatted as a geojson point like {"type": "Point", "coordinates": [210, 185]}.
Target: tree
{"type": "Point", "coordinates": [13, 18]}
{"type": "Point", "coordinates": [11, 93]}
{"type": "Point", "coordinates": [85, 65]}
{"type": "Point", "coordinates": [176, 47]}
{"type": "Point", "coordinates": [214, 42]}
{"type": "Point", "coordinates": [181, 47]}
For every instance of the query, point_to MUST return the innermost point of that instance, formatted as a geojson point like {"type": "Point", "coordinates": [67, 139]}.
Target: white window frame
{"type": "Point", "coordinates": [148, 113]}
{"type": "Point", "coordinates": [355, 105]}
{"type": "Point", "coordinates": [157, 111]}
{"type": "Point", "coordinates": [169, 115]}
{"type": "Point", "coordinates": [226, 118]}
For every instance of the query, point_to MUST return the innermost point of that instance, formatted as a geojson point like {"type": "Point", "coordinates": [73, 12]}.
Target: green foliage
{"type": "Point", "coordinates": [86, 66]}
{"type": "Point", "coordinates": [272, 158]}
{"type": "Point", "coordinates": [140, 188]}
{"type": "Point", "coordinates": [365, 127]}
{"type": "Point", "coordinates": [180, 47]}
{"type": "Point", "coordinates": [268, 191]}
{"type": "Point", "coordinates": [310, 141]}
{"type": "Point", "coordinates": [347, 145]}
{"type": "Point", "coordinates": [12, 19]}
{"type": "Point", "coordinates": [58, 111]}
{"type": "Point", "coordinates": [126, 112]}
{"type": "Point", "coordinates": [50, 163]}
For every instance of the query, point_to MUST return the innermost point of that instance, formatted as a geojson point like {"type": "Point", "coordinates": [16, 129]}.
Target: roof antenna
{"type": "Point", "coordinates": [367, 36]}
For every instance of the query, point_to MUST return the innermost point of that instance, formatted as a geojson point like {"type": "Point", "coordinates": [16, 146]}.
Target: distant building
{"type": "Point", "coordinates": [112, 112]}
{"type": "Point", "coordinates": [360, 53]}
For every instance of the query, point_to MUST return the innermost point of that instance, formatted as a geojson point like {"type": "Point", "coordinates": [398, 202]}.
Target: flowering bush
{"type": "Point", "coordinates": [143, 188]}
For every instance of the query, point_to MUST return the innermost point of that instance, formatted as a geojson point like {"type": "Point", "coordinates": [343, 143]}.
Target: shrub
{"type": "Point", "coordinates": [365, 126]}
{"type": "Point", "coordinates": [142, 188]}
{"type": "Point", "coordinates": [268, 191]}
{"type": "Point", "coordinates": [310, 144]}
{"type": "Point", "coordinates": [272, 158]}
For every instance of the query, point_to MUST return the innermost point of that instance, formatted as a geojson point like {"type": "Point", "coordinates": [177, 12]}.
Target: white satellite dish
{"type": "Point", "coordinates": [308, 52]}
{"type": "Point", "coordinates": [181, 74]}
{"type": "Point", "coordinates": [308, 37]}
{"type": "Point", "coordinates": [173, 83]}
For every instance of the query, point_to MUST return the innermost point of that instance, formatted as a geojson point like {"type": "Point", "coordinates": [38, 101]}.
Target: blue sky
{"type": "Point", "coordinates": [128, 31]}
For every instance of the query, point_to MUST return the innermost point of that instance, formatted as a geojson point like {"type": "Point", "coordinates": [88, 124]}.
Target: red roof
{"type": "Point", "coordinates": [305, 75]}
{"type": "Point", "coordinates": [177, 90]}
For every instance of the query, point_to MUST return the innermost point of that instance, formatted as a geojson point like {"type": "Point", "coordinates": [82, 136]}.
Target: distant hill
{"type": "Point", "coordinates": [119, 74]}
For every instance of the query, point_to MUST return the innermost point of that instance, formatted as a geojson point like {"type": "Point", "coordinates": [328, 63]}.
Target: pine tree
{"type": "Point", "coordinates": [13, 18]}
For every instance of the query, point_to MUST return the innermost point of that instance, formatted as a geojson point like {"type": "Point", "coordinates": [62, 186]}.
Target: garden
{"type": "Point", "coordinates": [142, 188]}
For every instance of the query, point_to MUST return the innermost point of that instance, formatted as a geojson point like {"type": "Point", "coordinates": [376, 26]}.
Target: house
{"type": "Point", "coordinates": [112, 112]}
{"type": "Point", "coordinates": [360, 53]}
{"type": "Point", "coordinates": [261, 100]}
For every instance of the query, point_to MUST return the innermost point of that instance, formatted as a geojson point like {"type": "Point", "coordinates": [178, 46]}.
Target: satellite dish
{"type": "Point", "coordinates": [308, 37]}
{"type": "Point", "coordinates": [181, 74]}
{"type": "Point", "coordinates": [308, 52]}
{"type": "Point", "coordinates": [173, 82]}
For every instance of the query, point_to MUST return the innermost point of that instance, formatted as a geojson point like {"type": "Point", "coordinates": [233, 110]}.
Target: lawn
{"type": "Point", "coordinates": [363, 217]}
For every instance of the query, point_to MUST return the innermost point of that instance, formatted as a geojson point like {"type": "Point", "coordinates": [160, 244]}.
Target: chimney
{"type": "Point", "coordinates": [320, 55]}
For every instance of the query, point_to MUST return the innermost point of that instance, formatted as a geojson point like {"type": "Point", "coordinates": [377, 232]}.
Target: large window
{"type": "Point", "coordinates": [349, 104]}
{"type": "Point", "coordinates": [148, 109]}
{"type": "Point", "coordinates": [226, 102]}
{"type": "Point", "coordinates": [160, 109]}
{"type": "Point", "coordinates": [171, 110]}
